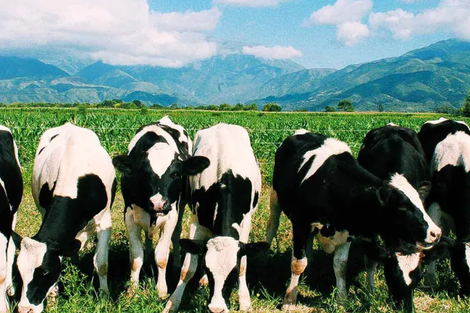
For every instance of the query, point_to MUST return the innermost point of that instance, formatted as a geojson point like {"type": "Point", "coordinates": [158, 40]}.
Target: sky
{"type": "Point", "coordinates": [176, 33]}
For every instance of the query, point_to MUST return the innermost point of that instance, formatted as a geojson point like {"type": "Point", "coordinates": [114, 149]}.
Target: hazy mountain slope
{"type": "Point", "coordinates": [420, 80]}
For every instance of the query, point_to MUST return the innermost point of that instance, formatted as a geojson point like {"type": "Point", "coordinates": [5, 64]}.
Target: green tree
{"type": "Point", "coordinates": [345, 106]}
{"type": "Point", "coordinates": [329, 109]}
{"type": "Point", "coordinates": [380, 108]}
{"type": "Point", "coordinates": [224, 107]}
{"type": "Point", "coordinates": [466, 106]}
{"type": "Point", "coordinates": [272, 107]}
{"type": "Point", "coordinates": [251, 107]}
{"type": "Point", "coordinates": [237, 107]}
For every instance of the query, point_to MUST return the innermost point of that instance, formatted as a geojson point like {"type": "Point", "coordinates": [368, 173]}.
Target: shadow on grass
{"type": "Point", "coordinates": [267, 277]}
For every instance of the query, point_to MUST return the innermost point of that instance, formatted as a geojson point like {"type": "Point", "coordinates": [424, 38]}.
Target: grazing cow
{"type": "Point", "coordinates": [154, 186]}
{"type": "Point", "coordinates": [223, 200]}
{"type": "Point", "coordinates": [323, 190]}
{"type": "Point", "coordinates": [446, 144]}
{"type": "Point", "coordinates": [11, 191]}
{"type": "Point", "coordinates": [73, 185]}
{"type": "Point", "coordinates": [387, 151]}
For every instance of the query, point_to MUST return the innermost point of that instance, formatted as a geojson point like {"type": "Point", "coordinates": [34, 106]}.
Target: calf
{"type": "Point", "coordinates": [11, 191]}
{"type": "Point", "coordinates": [73, 185]}
{"type": "Point", "coordinates": [224, 198]}
{"type": "Point", "coordinates": [323, 190]}
{"type": "Point", "coordinates": [154, 182]}
{"type": "Point", "coordinates": [447, 147]}
{"type": "Point", "coordinates": [385, 152]}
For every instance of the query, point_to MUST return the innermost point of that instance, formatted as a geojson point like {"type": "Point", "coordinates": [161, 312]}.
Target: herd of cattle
{"type": "Point", "coordinates": [401, 198]}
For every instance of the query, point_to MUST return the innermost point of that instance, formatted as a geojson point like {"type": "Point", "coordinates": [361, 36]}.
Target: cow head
{"type": "Point", "coordinates": [222, 256]}
{"type": "Point", "coordinates": [39, 265]}
{"type": "Point", "coordinates": [404, 215]}
{"type": "Point", "coordinates": [154, 180]}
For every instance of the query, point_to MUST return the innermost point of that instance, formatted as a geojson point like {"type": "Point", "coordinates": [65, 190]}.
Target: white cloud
{"type": "Point", "coordinates": [115, 31]}
{"type": "Point", "coordinates": [450, 15]}
{"type": "Point", "coordinates": [351, 33]}
{"type": "Point", "coordinates": [188, 21]}
{"type": "Point", "coordinates": [346, 15]}
{"type": "Point", "coordinates": [272, 53]}
{"type": "Point", "coordinates": [342, 11]}
{"type": "Point", "coordinates": [251, 3]}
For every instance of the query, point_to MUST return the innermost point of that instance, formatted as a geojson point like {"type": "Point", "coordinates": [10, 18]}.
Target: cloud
{"type": "Point", "coordinates": [188, 21]}
{"type": "Point", "coordinates": [450, 16]}
{"type": "Point", "coordinates": [116, 31]}
{"type": "Point", "coordinates": [346, 15]}
{"type": "Point", "coordinates": [342, 11]}
{"type": "Point", "coordinates": [251, 3]}
{"type": "Point", "coordinates": [272, 53]}
{"type": "Point", "coordinates": [351, 33]}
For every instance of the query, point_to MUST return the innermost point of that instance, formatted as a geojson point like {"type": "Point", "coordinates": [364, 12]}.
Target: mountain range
{"type": "Point", "coordinates": [420, 80]}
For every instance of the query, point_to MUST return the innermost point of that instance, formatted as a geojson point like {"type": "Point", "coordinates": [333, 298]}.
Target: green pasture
{"type": "Point", "coordinates": [268, 275]}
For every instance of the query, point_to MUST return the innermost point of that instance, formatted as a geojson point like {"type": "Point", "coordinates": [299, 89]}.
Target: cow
{"type": "Point", "coordinates": [154, 185]}
{"type": "Point", "coordinates": [73, 185]}
{"type": "Point", "coordinates": [446, 144]}
{"type": "Point", "coordinates": [223, 200]}
{"type": "Point", "coordinates": [11, 191]}
{"type": "Point", "coordinates": [324, 191]}
{"type": "Point", "coordinates": [387, 151]}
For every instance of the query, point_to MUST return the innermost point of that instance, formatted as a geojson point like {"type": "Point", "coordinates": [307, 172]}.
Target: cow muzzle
{"type": "Point", "coordinates": [434, 235]}
{"type": "Point", "coordinates": [160, 206]}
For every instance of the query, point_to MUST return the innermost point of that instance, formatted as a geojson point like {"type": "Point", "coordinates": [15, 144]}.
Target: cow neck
{"type": "Point", "coordinates": [364, 209]}
{"type": "Point", "coordinates": [61, 223]}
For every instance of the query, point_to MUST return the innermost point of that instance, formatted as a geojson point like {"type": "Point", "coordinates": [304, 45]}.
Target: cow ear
{"type": "Point", "coordinates": [254, 249]}
{"type": "Point", "coordinates": [424, 189]}
{"type": "Point", "coordinates": [123, 163]}
{"type": "Point", "coordinates": [195, 165]}
{"type": "Point", "coordinates": [70, 248]}
{"type": "Point", "coordinates": [193, 246]}
{"type": "Point", "coordinates": [383, 193]}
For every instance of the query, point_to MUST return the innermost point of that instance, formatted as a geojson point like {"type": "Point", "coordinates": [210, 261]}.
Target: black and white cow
{"type": "Point", "coordinates": [224, 198]}
{"type": "Point", "coordinates": [323, 190]}
{"type": "Point", "coordinates": [385, 152]}
{"type": "Point", "coordinates": [446, 144]}
{"type": "Point", "coordinates": [11, 191]}
{"type": "Point", "coordinates": [154, 186]}
{"type": "Point", "coordinates": [73, 185]}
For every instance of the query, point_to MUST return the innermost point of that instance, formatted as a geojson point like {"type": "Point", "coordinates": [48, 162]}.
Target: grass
{"type": "Point", "coordinates": [267, 275]}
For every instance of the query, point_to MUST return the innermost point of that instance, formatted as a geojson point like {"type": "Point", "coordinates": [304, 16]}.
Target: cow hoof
{"type": "Point", "coordinates": [288, 307]}
{"type": "Point", "coordinates": [246, 309]}
{"type": "Point", "coordinates": [204, 281]}
{"type": "Point", "coordinates": [162, 294]}
{"type": "Point", "coordinates": [170, 308]}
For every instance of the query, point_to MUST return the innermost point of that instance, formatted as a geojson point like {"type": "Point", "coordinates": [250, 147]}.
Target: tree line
{"type": "Point", "coordinates": [137, 104]}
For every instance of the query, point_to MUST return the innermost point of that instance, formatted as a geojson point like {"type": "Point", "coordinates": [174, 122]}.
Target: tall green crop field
{"type": "Point", "coordinates": [267, 274]}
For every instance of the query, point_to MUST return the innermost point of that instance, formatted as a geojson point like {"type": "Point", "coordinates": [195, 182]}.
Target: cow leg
{"type": "Point", "coordinates": [136, 251]}
{"type": "Point", "coordinates": [370, 266]}
{"type": "Point", "coordinates": [275, 213]}
{"type": "Point", "coordinates": [340, 262]}
{"type": "Point", "coordinates": [187, 270]}
{"type": "Point", "coordinates": [460, 264]}
{"type": "Point", "coordinates": [10, 260]}
{"type": "Point", "coordinates": [400, 289]}
{"type": "Point", "coordinates": [162, 251]}
{"type": "Point", "coordinates": [434, 211]}
{"type": "Point", "coordinates": [243, 293]}
{"type": "Point", "coordinates": [175, 238]}
{"type": "Point", "coordinates": [100, 260]}
{"type": "Point", "coordinates": [301, 232]}
{"type": "Point", "coordinates": [4, 306]}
